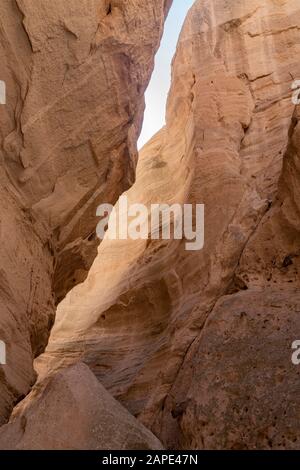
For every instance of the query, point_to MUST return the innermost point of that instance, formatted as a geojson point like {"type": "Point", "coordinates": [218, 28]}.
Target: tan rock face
{"type": "Point", "coordinates": [74, 412]}
{"type": "Point", "coordinates": [75, 75]}
{"type": "Point", "coordinates": [151, 318]}
{"type": "Point", "coordinates": [26, 301]}
{"type": "Point", "coordinates": [238, 388]}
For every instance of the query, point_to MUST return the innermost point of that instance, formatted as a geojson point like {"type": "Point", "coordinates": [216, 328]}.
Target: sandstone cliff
{"type": "Point", "coordinates": [197, 344]}
{"type": "Point", "coordinates": [75, 75]}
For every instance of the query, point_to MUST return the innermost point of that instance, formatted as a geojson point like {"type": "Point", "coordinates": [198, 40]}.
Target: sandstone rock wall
{"type": "Point", "coordinates": [75, 75]}
{"type": "Point", "coordinates": [177, 335]}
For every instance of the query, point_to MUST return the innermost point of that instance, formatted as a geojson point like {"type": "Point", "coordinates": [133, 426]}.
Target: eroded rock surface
{"type": "Point", "coordinates": [140, 319]}
{"type": "Point", "coordinates": [238, 388]}
{"type": "Point", "coordinates": [73, 411]}
{"type": "Point", "coordinates": [75, 75]}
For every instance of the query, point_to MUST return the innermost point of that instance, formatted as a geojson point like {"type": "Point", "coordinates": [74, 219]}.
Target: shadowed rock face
{"type": "Point", "coordinates": [141, 318]}
{"type": "Point", "coordinates": [75, 412]}
{"type": "Point", "coordinates": [75, 76]}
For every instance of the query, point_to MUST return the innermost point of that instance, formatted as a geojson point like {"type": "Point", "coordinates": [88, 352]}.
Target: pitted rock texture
{"type": "Point", "coordinates": [75, 75]}
{"type": "Point", "coordinates": [75, 412]}
{"type": "Point", "coordinates": [239, 388]}
{"type": "Point", "coordinates": [231, 141]}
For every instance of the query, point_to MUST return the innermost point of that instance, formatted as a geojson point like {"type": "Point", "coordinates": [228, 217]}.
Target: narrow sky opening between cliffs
{"type": "Point", "coordinates": [158, 89]}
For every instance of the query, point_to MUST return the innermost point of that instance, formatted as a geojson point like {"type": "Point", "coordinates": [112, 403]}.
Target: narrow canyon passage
{"type": "Point", "coordinates": [195, 345]}
{"type": "Point", "coordinates": [63, 153]}
{"type": "Point", "coordinates": [160, 83]}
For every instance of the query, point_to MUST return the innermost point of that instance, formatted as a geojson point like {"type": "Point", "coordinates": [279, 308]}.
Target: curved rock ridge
{"type": "Point", "coordinates": [75, 75]}
{"type": "Point", "coordinates": [77, 413]}
{"type": "Point", "coordinates": [152, 319]}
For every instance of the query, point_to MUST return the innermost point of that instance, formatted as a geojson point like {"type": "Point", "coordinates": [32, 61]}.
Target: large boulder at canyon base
{"type": "Point", "coordinates": [74, 411]}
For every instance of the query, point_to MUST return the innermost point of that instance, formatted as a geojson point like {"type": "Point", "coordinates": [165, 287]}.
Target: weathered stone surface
{"type": "Point", "coordinates": [231, 142]}
{"type": "Point", "coordinates": [26, 301]}
{"type": "Point", "coordinates": [75, 75]}
{"type": "Point", "coordinates": [74, 411]}
{"type": "Point", "coordinates": [238, 388]}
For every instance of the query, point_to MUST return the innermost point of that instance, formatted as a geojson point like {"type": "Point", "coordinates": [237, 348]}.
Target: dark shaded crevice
{"type": "Point", "coordinates": [23, 25]}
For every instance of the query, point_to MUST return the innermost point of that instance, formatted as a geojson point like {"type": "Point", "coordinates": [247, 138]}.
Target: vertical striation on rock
{"type": "Point", "coordinates": [170, 332]}
{"type": "Point", "coordinates": [75, 75]}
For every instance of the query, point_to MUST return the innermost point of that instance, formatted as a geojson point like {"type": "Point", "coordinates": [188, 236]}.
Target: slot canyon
{"type": "Point", "coordinates": [142, 344]}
